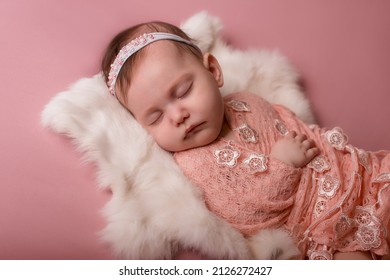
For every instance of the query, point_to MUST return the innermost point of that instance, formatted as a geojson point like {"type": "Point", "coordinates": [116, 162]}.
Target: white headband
{"type": "Point", "coordinates": [134, 46]}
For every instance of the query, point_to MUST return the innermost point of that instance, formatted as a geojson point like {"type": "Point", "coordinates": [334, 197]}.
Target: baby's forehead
{"type": "Point", "coordinates": [161, 66]}
{"type": "Point", "coordinates": [159, 54]}
{"type": "Point", "coordinates": [167, 46]}
{"type": "Point", "coordinates": [178, 49]}
{"type": "Point", "coordinates": [164, 55]}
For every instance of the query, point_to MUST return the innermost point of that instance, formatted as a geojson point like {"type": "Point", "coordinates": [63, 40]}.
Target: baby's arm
{"type": "Point", "coordinates": [294, 149]}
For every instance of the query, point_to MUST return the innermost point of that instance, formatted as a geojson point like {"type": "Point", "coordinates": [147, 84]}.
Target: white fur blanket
{"type": "Point", "coordinates": [154, 210]}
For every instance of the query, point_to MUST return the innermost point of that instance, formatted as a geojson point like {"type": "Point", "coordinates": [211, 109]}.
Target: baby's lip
{"type": "Point", "coordinates": [192, 128]}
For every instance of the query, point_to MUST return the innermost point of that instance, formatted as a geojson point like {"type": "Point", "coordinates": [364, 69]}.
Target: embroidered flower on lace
{"type": "Point", "coordinates": [362, 217]}
{"type": "Point", "coordinates": [343, 226]}
{"type": "Point", "coordinates": [318, 251]}
{"type": "Point", "coordinates": [368, 237]}
{"type": "Point", "coordinates": [328, 186]}
{"type": "Point", "coordinates": [281, 127]}
{"type": "Point", "coordinates": [320, 207]}
{"type": "Point", "coordinates": [364, 160]}
{"type": "Point", "coordinates": [256, 163]}
{"type": "Point", "coordinates": [320, 255]}
{"type": "Point", "coordinates": [336, 138]}
{"type": "Point", "coordinates": [227, 156]}
{"type": "Point", "coordinates": [319, 164]}
{"type": "Point", "coordinates": [239, 106]}
{"type": "Point", "coordinates": [369, 228]}
{"type": "Point", "coordinates": [247, 134]}
{"type": "Point", "coordinates": [382, 178]}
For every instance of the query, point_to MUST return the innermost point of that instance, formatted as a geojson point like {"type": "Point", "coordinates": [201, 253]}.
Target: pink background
{"type": "Point", "coordinates": [49, 202]}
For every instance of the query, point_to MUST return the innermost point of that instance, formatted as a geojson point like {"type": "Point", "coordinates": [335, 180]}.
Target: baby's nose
{"type": "Point", "coordinates": [178, 115]}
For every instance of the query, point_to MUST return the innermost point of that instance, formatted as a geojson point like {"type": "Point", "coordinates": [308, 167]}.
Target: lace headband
{"type": "Point", "coordinates": [133, 47]}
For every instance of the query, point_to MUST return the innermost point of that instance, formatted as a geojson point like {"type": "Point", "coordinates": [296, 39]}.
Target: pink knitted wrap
{"type": "Point", "coordinates": [339, 201]}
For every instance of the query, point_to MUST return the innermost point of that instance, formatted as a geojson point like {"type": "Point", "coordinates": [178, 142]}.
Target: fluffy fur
{"type": "Point", "coordinates": [154, 210]}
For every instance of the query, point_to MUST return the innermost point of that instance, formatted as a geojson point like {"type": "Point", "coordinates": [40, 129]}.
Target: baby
{"type": "Point", "coordinates": [257, 164]}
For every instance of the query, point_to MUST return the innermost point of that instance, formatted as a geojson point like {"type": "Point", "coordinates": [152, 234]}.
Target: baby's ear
{"type": "Point", "coordinates": [212, 65]}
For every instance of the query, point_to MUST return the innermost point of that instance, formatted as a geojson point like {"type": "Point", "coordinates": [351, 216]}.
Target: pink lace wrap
{"type": "Point", "coordinates": [338, 202]}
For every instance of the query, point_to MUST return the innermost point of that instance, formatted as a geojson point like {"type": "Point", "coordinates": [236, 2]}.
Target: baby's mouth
{"type": "Point", "coordinates": [192, 129]}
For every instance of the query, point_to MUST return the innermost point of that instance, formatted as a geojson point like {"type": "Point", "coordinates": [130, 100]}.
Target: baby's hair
{"type": "Point", "coordinates": [124, 37]}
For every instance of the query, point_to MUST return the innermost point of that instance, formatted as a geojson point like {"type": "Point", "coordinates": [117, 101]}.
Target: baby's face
{"type": "Point", "coordinates": [176, 98]}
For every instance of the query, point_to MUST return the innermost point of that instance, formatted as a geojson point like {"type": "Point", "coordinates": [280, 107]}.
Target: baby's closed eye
{"type": "Point", "coordinates": [154, 118]}
{"type": "Point", "coordinates": [184, 89]}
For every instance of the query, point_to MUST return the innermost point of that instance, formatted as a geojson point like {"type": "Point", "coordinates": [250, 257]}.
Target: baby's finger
{"type": "Point", "coordinates": [301, 137]}
{"type": "Point", "coordinates": [292, 134]}
{"type": "Point", "coordinates": [312, 152]}
{"type": "Point", "coordinates": [308, 143]}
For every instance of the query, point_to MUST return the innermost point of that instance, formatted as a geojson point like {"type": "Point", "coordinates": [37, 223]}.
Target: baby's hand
{"type": "Point", "coordinates": [294, 149]}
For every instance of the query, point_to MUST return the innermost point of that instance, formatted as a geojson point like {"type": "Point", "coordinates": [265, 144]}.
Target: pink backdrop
{"type": "Point", "coordinates": [49, 203]}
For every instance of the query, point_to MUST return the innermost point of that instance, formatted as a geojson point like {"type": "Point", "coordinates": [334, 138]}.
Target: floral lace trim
{"type": "Point", "coordinates": [239, 106]}
{"type": "Point", "coordinates": [328, 186]}
{"type": "Point", "coordinates": [364, 160]}
{"type": "Point", "coordinates": [229, 155]}
{"type": "Point", "coordinates": [256, 163]}
{"type": "Point", "coordinates": [281, 127]}
{"type": "Point", "coordinates": [320, 207]}
{"type": "Point", "coordinates": [343, 226]}
{"type": "Point", "coordinates": [368, 233]}
{"type": "Point", "coordinates": [319, 164]}
{"type": "Point", "coordinates": [336, 138]}
{"type": "Point", "coordinates": [319, 252]}
{"type": "Point", "coordinates": [368, 227]}
{"type": "Point", "coordinates": [247, 134]}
